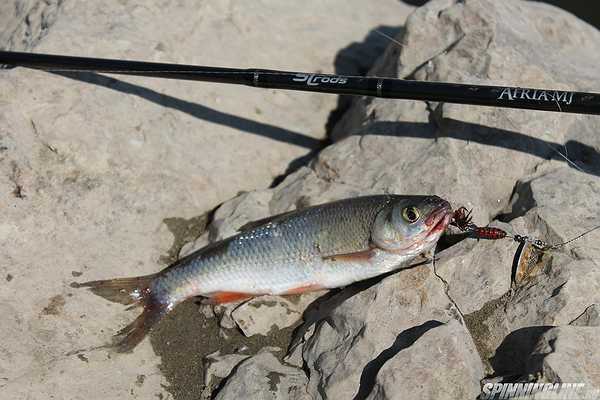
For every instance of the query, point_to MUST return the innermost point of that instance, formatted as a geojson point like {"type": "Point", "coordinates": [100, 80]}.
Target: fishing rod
{"type": "Point", "coordinates": [391, 88]}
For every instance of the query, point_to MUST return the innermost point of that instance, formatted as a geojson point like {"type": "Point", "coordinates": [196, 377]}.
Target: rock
{"type": "Point", "coordinates": [223, 311]}
{"type": "Point", "coordinates": [26, 22]}
{"type": "Point", "coordinates": [564, 289]}
{"type": "Point", "coordinates": [194, 245]}
{"type": "Point", "coordinates": [232, 215]}
{"type": "Point", "coordinates": [91, 166]}
{"type": "Point", "coordinates": [562, 218]}
{"type": "Point", "coordinates": [478, 152]}
{"type": "Point", "coordinates": [264, 377]}
{"type": "Point", "coordinates": [450, 371]}
{"type": "Point", "coordinates": [349, 352]}
{"type": "Point", "coordinates": [589, 317]}
{"type": "Point", "coordinates": [263, 314]}
{"type": "Point", "coordinates": [569, 354]}
{"type": "Point", "coordinates": [294, 356]}
{"type": "Point", "coordinates": [219, 366]}
{"type": "Point", "coordinates": [477, 271]}
{"type": "Point", "coordinates": [535, 171]}
{"type": "Point", "coordinates": [97, 199]}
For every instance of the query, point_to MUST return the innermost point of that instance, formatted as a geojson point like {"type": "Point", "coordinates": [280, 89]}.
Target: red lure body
{"type": "Point", "coordinates": [462, 220]}
{"type": "Point", "coordinates": [490, 233]}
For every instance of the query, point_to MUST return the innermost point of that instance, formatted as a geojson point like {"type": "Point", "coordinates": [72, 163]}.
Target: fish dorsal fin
{"type": "Point", "coordinates": [264, 221]}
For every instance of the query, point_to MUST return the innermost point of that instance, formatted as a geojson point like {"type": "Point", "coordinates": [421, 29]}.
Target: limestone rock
{"type": "Point", "coordinates": [478, 152]}
{"type": "Point", "coordinates": [244, 208]}
{"type": "Point", "coordinates": [23, 23]}
{"type": "Point", "coordinates": [349, 352]}
{"type": "Point", "coordinates": [219, 366]}
{"type": "Point", "coordinates": [569, 354]}
{"type": "Point", "coordinates": [443, 359]}
{"type": "Point", "coordinates": [536, 171]}
{"type": "Point", "coordinates": [477, 271]}
{"type": "Point", "coordinates": [589, 317]}
{"type": "Point", "coordinates": [561, 218]}
{"type": "Point", "coordinates": [261, 315]}
{"type": "Point", "coordinates": [264, 377]}
{"type": "Point", "coordinates": [91, 165]}
{"type": "Point", "coordinates": [564, 289]}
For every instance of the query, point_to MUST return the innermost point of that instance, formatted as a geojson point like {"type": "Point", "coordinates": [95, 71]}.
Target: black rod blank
{"type": "Point", "coordinates": [495, 96]}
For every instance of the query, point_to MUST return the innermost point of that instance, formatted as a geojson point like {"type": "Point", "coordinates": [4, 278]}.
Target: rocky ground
{"type": "Point", "coordinates": [104, 177]}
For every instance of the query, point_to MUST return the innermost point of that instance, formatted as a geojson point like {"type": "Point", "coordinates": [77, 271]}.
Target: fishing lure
{"type": "Point", "coordinates": [489, 233]}
{"type": "Point", "coordinates": [462, 219]}
{"type": "Point", "coordinates": [530, 250]}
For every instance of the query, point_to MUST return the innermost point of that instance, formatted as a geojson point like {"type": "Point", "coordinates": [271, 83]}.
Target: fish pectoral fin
{"type": "Point", "coordinates": [421, 259]}
{"type": "Point", "coordinates": [363, 255]}
{"type": "Point", "coordinates": [226, 297]}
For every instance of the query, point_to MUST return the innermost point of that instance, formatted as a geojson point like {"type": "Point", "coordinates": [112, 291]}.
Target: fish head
{"type": "Point", "coordinates": [411, 224]}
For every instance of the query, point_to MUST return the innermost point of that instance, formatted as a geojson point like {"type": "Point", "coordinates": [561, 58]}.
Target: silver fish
{"type": "Point", "coordinates": [321, 247]}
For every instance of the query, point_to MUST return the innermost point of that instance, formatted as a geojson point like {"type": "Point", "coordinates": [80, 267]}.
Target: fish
{"type": "Point", "coordinates": [320, 247]}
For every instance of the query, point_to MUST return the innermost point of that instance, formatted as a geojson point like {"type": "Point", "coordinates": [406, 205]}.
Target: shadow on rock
{"type": "Point", "coordinates": [211, 115]}
{"type": "Point", "coordinates": [581, 156]}
{"type": "Point", "coordinates": [197, 110]}
{"type": "Point", "coordinates": [416, 3]}
{"type": "Point", "coordinates": [511, 356]}
{"type": "Point", "coordinates": [404, 340]}
{"type": "Point", "coordinates": [322, 307]}
{"type": "Point", "coordinates": [357, 59]}
{"type": "Point", "coordinates": [297, 163]}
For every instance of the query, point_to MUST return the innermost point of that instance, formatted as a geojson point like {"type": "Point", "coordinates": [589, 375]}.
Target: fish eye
{"type": "Point", "coordinates": [411, 214]}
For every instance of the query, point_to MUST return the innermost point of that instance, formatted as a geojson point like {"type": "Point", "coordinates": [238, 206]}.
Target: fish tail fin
{"type": "Point", "coordinates": [136, 292]}
{"type": "Point", "coordinates": [130, 336]}
{"type": "Point", "coordinates": [120, 290]}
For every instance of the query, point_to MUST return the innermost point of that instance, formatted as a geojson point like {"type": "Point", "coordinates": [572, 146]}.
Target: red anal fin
{"type": "Point", "coordinates": [226, 297]}
{"type": "Point", "coordinates": [363, 255]}
{"type": "Point", "coordinates": [303, 289]}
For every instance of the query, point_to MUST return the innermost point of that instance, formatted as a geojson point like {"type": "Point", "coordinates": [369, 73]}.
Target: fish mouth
{"type": "Point", "coordinates": [439, 219]}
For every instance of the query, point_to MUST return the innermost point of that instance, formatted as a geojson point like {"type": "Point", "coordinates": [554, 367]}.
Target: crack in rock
{"type": "Point", "coordinates": [447, 292]}
{"type": "Point", "coordinates": [30, 25]}
{"type": "Point", "coordinates": [589, 316]}
{"type": "Point", "coordinates": [15, 178]}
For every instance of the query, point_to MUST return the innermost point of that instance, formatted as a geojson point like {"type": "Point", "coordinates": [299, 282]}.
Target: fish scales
{"type": "Point", "coordinates": [261, 254]}
{"type": "Point", "coordinates": [325, 246]}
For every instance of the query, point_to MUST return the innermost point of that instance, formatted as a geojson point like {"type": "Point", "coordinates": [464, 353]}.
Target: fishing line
{"type": "Point", "coordinates": [544, 246]}
{"type": "Point", "coordinates": [565, 156]}
{"type": "Point", "coordinates": [389, 37]}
